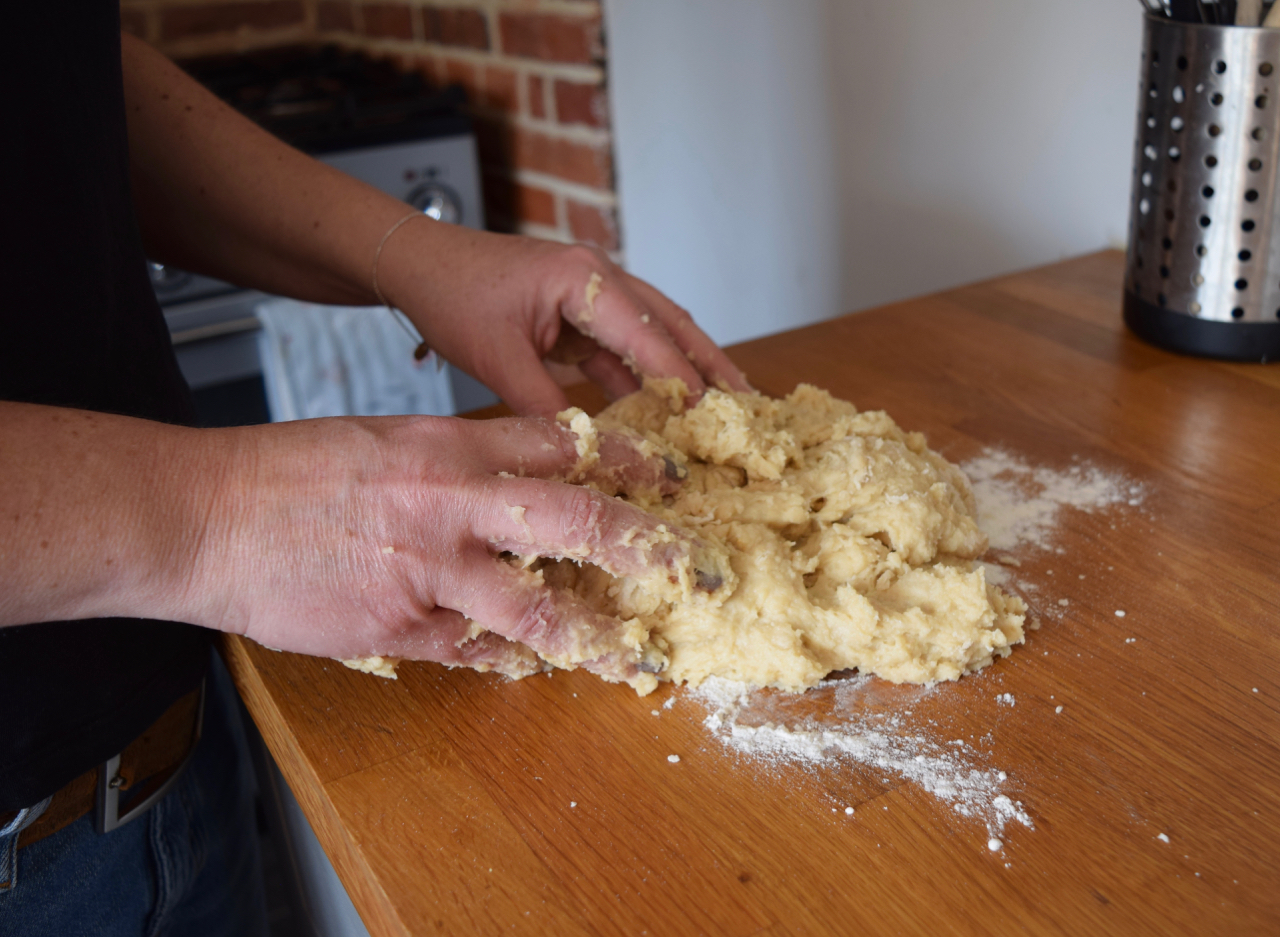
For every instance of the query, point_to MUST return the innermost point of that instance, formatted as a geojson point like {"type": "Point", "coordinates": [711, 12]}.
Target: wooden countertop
{"type": "Point", "coordinates": [445, 798]}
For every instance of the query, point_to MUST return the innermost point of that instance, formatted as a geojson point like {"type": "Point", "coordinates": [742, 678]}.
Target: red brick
{"type": "Point", "coordinates": [180, 22]}
{"type": "Point", "coordinates": [387, 20]}
{"type": "Point", "coordinates": [335, 15]}
{"type": "Point", "coordinates": [449, 27]}
{"type": "Point", "coordinates": [581, 104]}
{"type": "Point", "coordinates": [500, 90]}
{"type": "Point", "coordinates": [551, 38]}
{"type": "Point", "coordinates": [534, 205]}
{"type": "Point", "coordinates": [577, 162]}
{"type": "Point", "coordinates": [594, 225]}
{"type": "Point", "coordinates": [537, 97]}
{"type": "Point", "coordinates": [461, 73]}
{"type": "Point", "coordinates": [134, 22]}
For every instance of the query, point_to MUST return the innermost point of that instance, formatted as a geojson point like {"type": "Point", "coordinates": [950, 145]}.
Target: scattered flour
{"type": "Point", "coordinates": [1019, 507]}
{"type": "Point", "coordinates": [754, 723]}
{"type": "Point", "coordinates": [1018, 503]}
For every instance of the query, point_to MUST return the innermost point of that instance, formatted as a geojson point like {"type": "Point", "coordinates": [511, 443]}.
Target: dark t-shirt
{"type": "Point", "coordinates": [79, 327]}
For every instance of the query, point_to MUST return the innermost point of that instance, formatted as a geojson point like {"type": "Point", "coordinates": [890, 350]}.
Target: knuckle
{"type": "Point", "coordinates": [585, 255]}
{"type": "Point", "coordinates": [680, 317]}
{"type": "Point", "coordinates": [536, 622]}
{"type": "Point", "coordinates": [582, 513]}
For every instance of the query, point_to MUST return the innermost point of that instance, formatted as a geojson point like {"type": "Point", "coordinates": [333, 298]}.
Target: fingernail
{"type": "Point", "coordinates": [674, 470]}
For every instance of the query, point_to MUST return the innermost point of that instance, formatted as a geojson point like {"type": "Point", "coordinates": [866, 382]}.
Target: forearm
{"type": "Point", "coordinates": [99, 514]}
{"type": "Point", "coordinates": [221, 196]}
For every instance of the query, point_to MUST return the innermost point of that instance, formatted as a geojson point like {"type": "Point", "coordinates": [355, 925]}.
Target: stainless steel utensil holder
{"type": "Point", "coordinates": [1203, 271]}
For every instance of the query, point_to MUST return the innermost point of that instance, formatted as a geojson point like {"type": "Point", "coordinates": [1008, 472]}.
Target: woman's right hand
{"type": "Point", "coordinates": [354, 537]}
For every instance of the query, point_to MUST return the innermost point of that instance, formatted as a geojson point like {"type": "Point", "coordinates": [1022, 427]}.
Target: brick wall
{"type": "Point", "coordinates": [534, 71]}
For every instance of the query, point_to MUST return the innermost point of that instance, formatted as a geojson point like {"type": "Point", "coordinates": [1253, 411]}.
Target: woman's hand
{"type": "Point", "coordinates": [499, 306]}
{"type": "Point", "coordinates": [357, 537]}
{"type": "Point", "coordinates": [217, 195]}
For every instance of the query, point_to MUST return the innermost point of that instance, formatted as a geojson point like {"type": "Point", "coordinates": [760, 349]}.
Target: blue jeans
{"type": "Point", "coordinates": [190, 866]}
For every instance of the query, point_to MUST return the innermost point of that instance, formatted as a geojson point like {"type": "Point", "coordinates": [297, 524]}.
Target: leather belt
{"type": "Point", "coordinates": [137, 778]}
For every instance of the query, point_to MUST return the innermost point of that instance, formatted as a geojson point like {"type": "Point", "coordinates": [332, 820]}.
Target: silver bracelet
{"type": "Point", "coordinates": [423, 348]}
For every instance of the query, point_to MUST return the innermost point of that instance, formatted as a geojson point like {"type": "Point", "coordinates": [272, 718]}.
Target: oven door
{"type": "Point", "coordinates": [216, 341]}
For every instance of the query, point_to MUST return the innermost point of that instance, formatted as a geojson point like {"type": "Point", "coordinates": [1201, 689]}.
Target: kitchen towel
{"type": "Point", "coordinates": [344, 361]}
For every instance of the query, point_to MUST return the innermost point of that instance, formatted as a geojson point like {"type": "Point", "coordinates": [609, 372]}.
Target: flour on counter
{"type": "Point", "coordinates": [756, 724]}
{"type": "Point", "coordinates": [1018, 503]}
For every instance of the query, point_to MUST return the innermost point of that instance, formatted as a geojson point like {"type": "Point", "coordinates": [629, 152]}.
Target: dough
{"type": "Point", "coordinates": [841, 541]}
{"type": "Point", "coordinates": [853, 545]}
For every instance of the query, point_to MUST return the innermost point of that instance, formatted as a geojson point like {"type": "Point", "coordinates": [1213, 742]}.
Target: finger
{"type": "Point", "coordinates": [515, 603]}
{"type": "Point", "coordinates": [572, 347]}
{"type": "Point", "coordinates": [518, 376]}
{"type": "Point", "coordinates": [547, 449]}
{"type": "Point", "coordinates": [532, 517]}
{"type": "Point", "coordinates": [446, 637]}
{"type": "Point", "coordinates": [705, 355]}
{"type": "Point", "coordinates": [606, 369]}
{"type": "Point", "coordinates": [619, 321]}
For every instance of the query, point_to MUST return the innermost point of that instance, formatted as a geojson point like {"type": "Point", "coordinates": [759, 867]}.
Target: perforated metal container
{"type": "Point", "coordinates": [1203, 272]}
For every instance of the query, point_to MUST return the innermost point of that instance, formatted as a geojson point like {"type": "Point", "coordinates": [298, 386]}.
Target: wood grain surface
{"type": "Point", "coordinates": [446, 799]}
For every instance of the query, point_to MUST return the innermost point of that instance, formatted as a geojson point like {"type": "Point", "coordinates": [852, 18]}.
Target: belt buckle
{"type": "Point", "coordinates": [107, 803]}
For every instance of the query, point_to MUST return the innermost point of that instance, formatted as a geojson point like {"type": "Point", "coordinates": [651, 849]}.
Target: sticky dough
{"type": "Point", "coordinates": [854, 545]}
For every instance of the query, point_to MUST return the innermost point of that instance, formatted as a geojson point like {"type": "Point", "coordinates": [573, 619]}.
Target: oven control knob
{"type": "Point", "coordinates": [436, 201]}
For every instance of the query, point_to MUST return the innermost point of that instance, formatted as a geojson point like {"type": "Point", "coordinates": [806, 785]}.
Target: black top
{"type": "Point", "coordinates": [80, 328]}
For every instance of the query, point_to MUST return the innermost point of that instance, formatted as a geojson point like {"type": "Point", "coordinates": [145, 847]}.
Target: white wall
{"type": "Point", "coordinates": [726, 158]}
{"type": "Point", "coordinates": [979, 136]}
{"type": "Point", "coordinates": [784, 160]}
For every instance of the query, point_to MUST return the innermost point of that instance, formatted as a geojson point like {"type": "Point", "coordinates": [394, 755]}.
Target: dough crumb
{"type": "Point", "coordinates": [1058, 709]}
{"type": "Point", "coordinates": [1162, 837]}
{"type": "Point", "coordinates": [388, 549]}
{"type": "Point", "coordinates": [673, 758]}
{"type": "Point", "coordinates": [1119, 613]}
{"type": "Point", "coordinates": [587, 443]}
{"type": "Point", "coordinates": [592, 291]}
{"type": "Point", "coordinates": [376, 665]}
{"type": "Point", "coordinates": [994, 844]}
{"type": "Point", "coordinates": [1006, 699]}
{"type": "Point", "coordinates": [848, 811]}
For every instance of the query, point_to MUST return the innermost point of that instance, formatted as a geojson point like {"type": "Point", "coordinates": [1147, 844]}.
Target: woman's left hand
{"type": "Point", "coordinates": [500, 306]}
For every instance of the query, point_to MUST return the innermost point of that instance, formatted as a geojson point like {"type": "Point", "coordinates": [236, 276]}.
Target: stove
{"type": "Point", "coordinates": [358, 115]}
